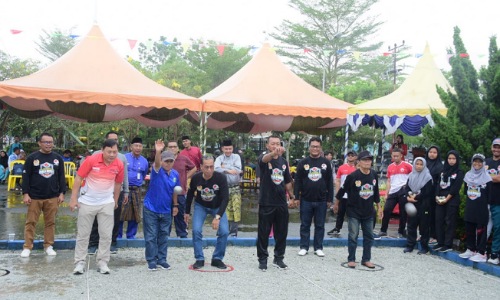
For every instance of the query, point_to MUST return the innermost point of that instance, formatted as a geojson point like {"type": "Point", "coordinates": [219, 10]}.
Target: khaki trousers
{"type": "Point", "coordinates": [49, 208]}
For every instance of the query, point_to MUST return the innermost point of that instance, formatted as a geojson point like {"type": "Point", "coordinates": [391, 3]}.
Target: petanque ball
{"type": "Point", "coordinates": [178, 190]}
{"type": "Point", "coordinates": [411, 210]}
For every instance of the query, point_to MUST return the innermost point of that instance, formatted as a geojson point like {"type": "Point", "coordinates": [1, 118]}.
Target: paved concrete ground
{"type": "Point", "coordinates": [398, 276]}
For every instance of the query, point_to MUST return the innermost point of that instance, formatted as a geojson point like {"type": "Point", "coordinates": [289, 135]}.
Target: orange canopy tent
{"type": "Point", "coordinates": [92, 83]}
{"type": "Point", "coordinates": [265, 95]}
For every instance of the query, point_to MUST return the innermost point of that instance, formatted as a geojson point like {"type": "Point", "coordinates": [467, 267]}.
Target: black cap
{"type": "Point", "coordinates": [227, 143]}
{"type": "Point", "coordinates": [136, 140]}
{"type": "Point", "coordinates": [352, 152]}
{"type": "Point", "coordinates": [365, 155]}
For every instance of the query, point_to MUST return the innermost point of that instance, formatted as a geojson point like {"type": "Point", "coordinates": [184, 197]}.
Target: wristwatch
{"type": "Point", "coordinates": [217, 217]}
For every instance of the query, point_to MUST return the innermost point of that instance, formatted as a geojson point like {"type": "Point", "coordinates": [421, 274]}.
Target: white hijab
{"type": "Point", "coordinates": [417, 180]}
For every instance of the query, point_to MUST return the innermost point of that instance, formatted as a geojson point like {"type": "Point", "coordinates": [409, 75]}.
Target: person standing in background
{"type": "Point", "coordinates": [435, 166]}
{"type": "Point", "coordinates": [192, 152]}
{"type": "Point", "coordinates": [16, 144]}
{"type": "Point", "coordinates": [493, 166]}
{"type": "Point", "coordinates": [137, 167]}
{"type": "Point", "coordinates": [229, 164]}
{"type": "Point", "coordinates": [400, 144]}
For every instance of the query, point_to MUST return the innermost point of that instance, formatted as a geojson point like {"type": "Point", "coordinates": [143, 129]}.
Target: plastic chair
{"type": "Point", "coordinates": [69, 173]}
{"type": "Point", "coordinates": [11, 182]}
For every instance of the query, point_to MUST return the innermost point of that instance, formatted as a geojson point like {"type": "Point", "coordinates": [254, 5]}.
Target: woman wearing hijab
{"type": "Point", "coordinates": [435, 166]}
{"type": "Point", "coordinates": [420, 192]}
{"type": "Point", "coordinates": [476, 209]}
{"type": "Point", "coordinates": [448, 201]}
{"type": "Point", "coordinates": [400, 144]}
{"type": "Point", "coordinates": [4, 166]}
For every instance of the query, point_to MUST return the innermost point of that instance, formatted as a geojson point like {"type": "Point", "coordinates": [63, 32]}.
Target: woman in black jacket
{"type": "Point", "coordinates": [435, 166]}
{"type": "Point", "coordinates": [448, 201]}
{"type": "Point", "coordinates": [420, 192]}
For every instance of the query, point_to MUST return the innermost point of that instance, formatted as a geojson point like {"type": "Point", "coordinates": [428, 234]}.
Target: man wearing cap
{"type": "Point", "coordinates": [493, 167]}
{"type": "Point", "coordinates": [160, 204]}
{"type": "Point", "coordinates": [314, 189]}
{"type": "Point", "coordinates": [229, 164]}
{"type": "Point", "coordinates": [397, 176]}
{"type": "Point", "coordinates": [211, 195]}
{"type": "Point", "coordinates": [361, 187]}
{"type": "Point", "coordinates": [137, 167]}
{"type": "Point", "coordinates": [192, 152]}
{"type": "Point", "coordinates": [339, 207]}
{"type": "Point", "coordinates": [186, 169]}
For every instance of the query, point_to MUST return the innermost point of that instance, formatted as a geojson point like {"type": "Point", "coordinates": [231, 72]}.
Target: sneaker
{"type": "Point", "coordinates": [467, 254]}
{"type": "Point", "coordinates": [79, 268]}
{"type": "Point", "coordinates": [103, 268]}
{"type": "Point", "coordinates": [26, 253]}
{"type": "Point", "coordinates": [92, 250]}
{"type": "Point", "coordinates": [437, 247]}
{"type": "Point", "coordinates": [445, 249]}
{"type": "Point", "coordinates": [319, 253]}
{"type": "Point", "coordinates": [478, 258]}
{"type": "Point", "coordinates": [152, 266]}
{"type": "Point", "coordinates": [280, 264]}
{"type": "Point", "coordinates": [113, 249]}
{"type": "Point", "coordinates": [432, 241]}
{"type": "Point", "coordinates": [423, 251]}
{"type": "Point", "coordinates": [376, 237]}
{"type": "Point", "coordinates": [302, 252]}
{"type": "Point", "coordinates": [408, 250]}
{"type": "Point", "coordinates": [334, 232]}
{"type": "Point", "coordinates": [494, 259]}
{"type": "Point", "coordinates": [263, 266]}
{"type": "Point", "coordinates": [164, 266]}
{"type": "Point", "coordinates": [382, 234]}
{"type": "Point", "coordinates": [218, 264]}
{"type": "Point", "coordinates": [50, 251]}
{"type": "Point", "coordinates": [198, 264]}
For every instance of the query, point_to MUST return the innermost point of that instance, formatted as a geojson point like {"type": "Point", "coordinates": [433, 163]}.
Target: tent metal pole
{"type": "Point", "coordinates": [346, 140]}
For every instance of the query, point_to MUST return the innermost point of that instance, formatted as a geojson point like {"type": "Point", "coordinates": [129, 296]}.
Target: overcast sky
{"type": "Point", "coordinates": [242, 22]}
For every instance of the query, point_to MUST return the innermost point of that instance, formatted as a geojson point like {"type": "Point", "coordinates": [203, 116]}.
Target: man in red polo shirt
{"type": "Point", "coordinates": [397, 176]}
{"type": "Point", "coordinates": [103, 175]}
{"type": "Point", "coordinates": [192, 152]}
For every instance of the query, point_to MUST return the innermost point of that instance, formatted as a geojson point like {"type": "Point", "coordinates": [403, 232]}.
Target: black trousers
{"type": "Point", "coordinates": [432, 217]}
{"type": "Point", "coordinates": [341, 214]}
{"type": "Point", "coordinates": [475, 237]}
{"type": "Point", "coordinates": [277, 218]}
{"type": "Point", "coordinates": [94, 234]}
{"type": "Point", "coordinates": [390, 203]}
{"type": "Point", "coordinates": [446, 223]}
{"type": "Point", "coordinates": [421, 220]}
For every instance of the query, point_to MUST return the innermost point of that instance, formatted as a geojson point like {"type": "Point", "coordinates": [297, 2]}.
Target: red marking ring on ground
{"type": "Point", "coordinates": [228, 269]}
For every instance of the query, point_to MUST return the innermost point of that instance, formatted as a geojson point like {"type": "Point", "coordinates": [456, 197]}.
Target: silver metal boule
{"type": "Point", "coordinates": [178, 190]}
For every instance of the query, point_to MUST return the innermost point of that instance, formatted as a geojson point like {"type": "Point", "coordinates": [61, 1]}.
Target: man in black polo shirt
{"type": "Point", "coordinates": [275, 181]}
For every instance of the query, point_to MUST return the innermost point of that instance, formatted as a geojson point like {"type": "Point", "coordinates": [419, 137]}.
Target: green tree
{"type": "Point", "coordinates": [55, 44]}
{"type": "Point", "coordinates": [330, 33]}
{"type": "Point", "coordinates": [465, 127]}
{"type": "Point", "coordinates": [490, 79]}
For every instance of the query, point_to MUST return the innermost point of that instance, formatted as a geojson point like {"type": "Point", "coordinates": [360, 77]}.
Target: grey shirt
{"type": "Point", "coordinates": [225, 163]}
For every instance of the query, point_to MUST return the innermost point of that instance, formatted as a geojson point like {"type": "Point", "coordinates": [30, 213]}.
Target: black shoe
{"type": "Point", "coordinates": [334, 231]}
{"type": "Point", "coordinates": [199, 264]}
{"type": "Point", "coordinates": [280, 264]}
{"type": "Point", "coordinates": [263, 266]}
{"type": "Point", "coordinates": [423, 251]}
{"type": "Point", "coordinates": [445, 249]}
{"type": "Point", "coordinates": [218, 264]}
{"type": "Point", "coordinates": [408, 250]}
{"type": "Point", "coordinates": [437, 247]}
{"type": "Point", "coordinates": [382, 234]}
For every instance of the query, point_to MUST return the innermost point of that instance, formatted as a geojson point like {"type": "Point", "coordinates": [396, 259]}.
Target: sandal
{"type": "Point", "coordinates": [351, 264]}
{"type": "Point", "coordinates": [368, 264]}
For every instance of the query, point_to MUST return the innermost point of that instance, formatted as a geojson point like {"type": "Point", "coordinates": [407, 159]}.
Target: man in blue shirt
{"type": "Point", "coordinates": [137, 168]}
{"type": "Point", "coordinates": [15, 145]}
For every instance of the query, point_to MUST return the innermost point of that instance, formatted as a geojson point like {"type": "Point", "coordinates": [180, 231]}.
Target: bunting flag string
{"type": "Point", "coordinates": [221, 47]}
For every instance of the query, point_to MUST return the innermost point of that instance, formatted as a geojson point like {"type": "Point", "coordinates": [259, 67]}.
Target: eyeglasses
{"type": "Point", "coordinates": [47, 142]}
{"type": "Point", "coordinates": [314, 147]}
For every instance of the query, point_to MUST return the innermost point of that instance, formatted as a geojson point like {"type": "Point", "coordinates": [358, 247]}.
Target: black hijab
{"type": "Point", "coordinates": [435, 166]}
{"type": "Point", "coordinates": [450, 170]}
{"type": "Point", "coordinates": [4, 160]}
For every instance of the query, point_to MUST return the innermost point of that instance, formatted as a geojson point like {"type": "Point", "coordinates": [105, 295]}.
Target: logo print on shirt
{"type": "Point", "coordinates": [473, 192]}
{"type": "Point", "coordinates": [314, 174]}
{"type": "Point", "coordinates": [366, 191]}
{"type": "Point", "coordinates": [207, 195]}
{"type": "Point", "coordinates": [493, 172]}
{"type": "Point", "coordinates": [46, 170]}
{"type": "Point", "coordinates": [277, 176]}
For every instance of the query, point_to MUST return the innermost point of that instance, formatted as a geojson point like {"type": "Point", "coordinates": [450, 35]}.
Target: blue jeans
{"type": "Point", "coordinates": [200, 214]}
{"type": "Point", "coordinates": [155, 228]}
{"type": "Point", "coordinates": [308, 210]}
{"type": "Point", "coordinates": [352, 242]}
{"type": "Point", "coordinates": [495, 217]}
